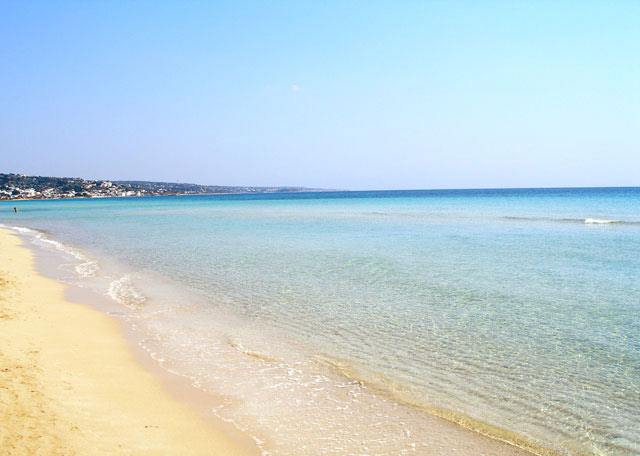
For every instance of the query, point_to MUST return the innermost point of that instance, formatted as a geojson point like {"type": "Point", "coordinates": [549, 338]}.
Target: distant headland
{"type": "Point", "coordinates": [22, 186]}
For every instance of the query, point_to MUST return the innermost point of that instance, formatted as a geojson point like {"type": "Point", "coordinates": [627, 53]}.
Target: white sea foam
{"type": "Point", "coordinates": [20, 229]}
{"type": "Point", "coordinates": [599, 221]}
{"type": "Point", "coordinates": [123, 292]}
{"type": "Point", "coordinates": [87, 268]}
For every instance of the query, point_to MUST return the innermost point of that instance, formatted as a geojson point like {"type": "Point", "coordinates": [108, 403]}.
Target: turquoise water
{"type": "Point", "coordinates": [519, 308]}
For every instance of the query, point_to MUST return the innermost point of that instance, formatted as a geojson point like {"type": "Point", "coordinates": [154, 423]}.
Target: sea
{"type": "Point", "coordinates": [342, 322]}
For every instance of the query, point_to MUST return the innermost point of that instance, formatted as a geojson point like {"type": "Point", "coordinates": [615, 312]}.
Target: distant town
{"type": "Point", "coordinates": [22, 186]}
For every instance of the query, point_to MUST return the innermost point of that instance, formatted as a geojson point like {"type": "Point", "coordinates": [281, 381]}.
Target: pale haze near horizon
{"type": "Point", "coordinates": [353, 95]}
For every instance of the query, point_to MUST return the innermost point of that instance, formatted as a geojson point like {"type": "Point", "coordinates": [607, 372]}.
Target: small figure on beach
{"type": "Point", "coordinates": [15, 209]}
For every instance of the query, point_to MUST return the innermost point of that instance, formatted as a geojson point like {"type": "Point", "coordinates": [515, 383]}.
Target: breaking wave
{"type": "Point", "coordinates": [600, 222]}
{"type": "Point", "coordinates": [589, 221]}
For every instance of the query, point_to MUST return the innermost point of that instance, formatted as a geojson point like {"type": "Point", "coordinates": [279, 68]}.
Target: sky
{"type": "Point", "coordinates": [323, 94]}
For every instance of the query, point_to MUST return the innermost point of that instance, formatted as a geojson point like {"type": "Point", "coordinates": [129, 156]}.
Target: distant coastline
{"type": "Point", "coordinates": [22, 187]}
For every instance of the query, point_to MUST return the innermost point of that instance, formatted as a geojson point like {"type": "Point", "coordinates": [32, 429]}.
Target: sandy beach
{"type": "Point", "coordinates": [69, 383]}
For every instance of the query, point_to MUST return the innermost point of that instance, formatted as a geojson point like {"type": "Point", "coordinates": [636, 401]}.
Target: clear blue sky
{"type": "Point", "coordinates": [334, 94]}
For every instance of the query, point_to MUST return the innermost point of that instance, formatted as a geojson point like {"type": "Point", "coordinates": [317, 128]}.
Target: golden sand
{"type": "Point", "coordinates": [69, 383]}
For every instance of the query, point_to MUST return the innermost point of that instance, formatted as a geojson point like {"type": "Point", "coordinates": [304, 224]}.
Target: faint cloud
{"type": "Point", "coordinates": [295, 88]}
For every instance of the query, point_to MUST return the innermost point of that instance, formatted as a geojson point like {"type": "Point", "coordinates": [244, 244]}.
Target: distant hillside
{"type": "Point", "coordinates": [21, 186]}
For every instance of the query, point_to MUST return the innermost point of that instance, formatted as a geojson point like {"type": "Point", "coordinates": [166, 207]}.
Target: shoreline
{"type": "Point", "coordinates": [72, 383]}
{"type": "Point", "coordinates": [448, 424]}
{"type": "Point", "coordinates": [181, 387]}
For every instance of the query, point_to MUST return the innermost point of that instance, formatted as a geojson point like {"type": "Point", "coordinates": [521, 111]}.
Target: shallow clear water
{"type": "Point", "coordinates": [519, 308]}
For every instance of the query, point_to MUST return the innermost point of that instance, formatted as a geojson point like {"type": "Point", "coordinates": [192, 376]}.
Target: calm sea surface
{"type": "Point", "coordinates": [315, 311]}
